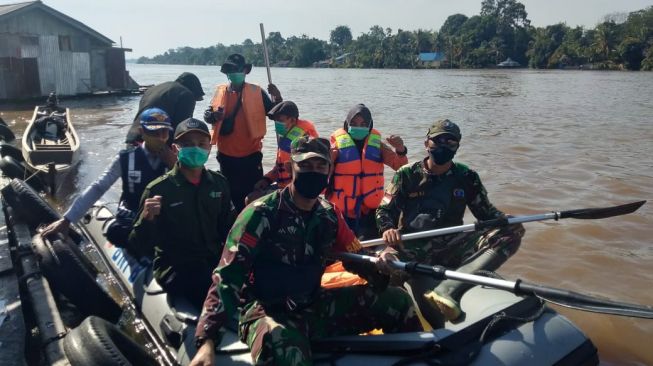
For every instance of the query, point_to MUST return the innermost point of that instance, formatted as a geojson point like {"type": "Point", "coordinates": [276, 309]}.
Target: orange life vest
{"type": "Point", "coordinates": [357, 181]}
{"type": "Point", "coordinates": [252, 106]}
{"type": "Point", "coordinates": [283, 152]}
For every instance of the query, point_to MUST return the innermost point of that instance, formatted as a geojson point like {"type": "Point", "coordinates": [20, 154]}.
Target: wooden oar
{"type": "Point", "coordinates": [557, 296]}
{"type": "Point", "coordinates": [581, 214]}
{"type": "Point", "coordinates": [265, 54]}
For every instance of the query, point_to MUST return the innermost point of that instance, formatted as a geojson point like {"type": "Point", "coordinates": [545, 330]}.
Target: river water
{"type": "Point", "coordinates": [540, 140]}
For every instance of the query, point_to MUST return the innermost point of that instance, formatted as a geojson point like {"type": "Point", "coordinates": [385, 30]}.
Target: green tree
{"type": "Point", "coordinates": [605, 40]}
{"type": "Point", "coordinates": [341, 37]}
{"type": "Point", "coordinates": [306, 51]}
{"type": "Point", "coordinates": [545, 42]}
{"type": "Point", "coordinates": [631, 51]}
{"type": "Point", "coordinates": [425, 40]}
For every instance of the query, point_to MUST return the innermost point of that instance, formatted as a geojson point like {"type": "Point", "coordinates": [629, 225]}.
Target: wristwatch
{"type": "Point", "coordinates": [404, 152]}
{"type": "Point", "coordinates": [199, 341]}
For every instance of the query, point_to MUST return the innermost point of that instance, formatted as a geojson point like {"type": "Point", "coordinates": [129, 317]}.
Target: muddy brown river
{"type": "Point", "coordinates": [540, 140]}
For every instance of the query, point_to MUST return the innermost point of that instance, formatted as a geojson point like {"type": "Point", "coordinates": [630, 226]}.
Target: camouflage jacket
{"type": "Point", "coordinates": [272, 235]}
{"type": "Point", "coordinates": [444, 198]}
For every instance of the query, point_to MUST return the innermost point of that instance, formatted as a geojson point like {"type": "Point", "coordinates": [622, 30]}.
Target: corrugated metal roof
{"type": "Point", "coordinates": [13, 9]}
{"type": "Point", "coordinates": [8, 8]}
{"type": "Point", "coordinates": [431, 56]}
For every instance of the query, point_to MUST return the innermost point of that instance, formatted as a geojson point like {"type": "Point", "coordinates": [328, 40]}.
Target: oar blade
{"type": "Point", "coordinates": [601, 213]}
{"type": "Point", "coordinates": [620, 309]}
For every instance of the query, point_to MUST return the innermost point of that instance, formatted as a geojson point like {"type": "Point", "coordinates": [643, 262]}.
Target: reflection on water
{"type": "Point", "coordinates": [541, 140]}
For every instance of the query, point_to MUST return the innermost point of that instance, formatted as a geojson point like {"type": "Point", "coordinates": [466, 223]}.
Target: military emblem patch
{"type": "Point", "coordinates": [459, 193]}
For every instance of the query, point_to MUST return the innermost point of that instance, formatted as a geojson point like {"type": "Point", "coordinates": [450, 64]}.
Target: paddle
{"type": "Point", "coordinates": [557, 296]}
{"type": "Point", "coordinates": [265, 53]}
{"type": "Point", "coordinates": [581, 214]}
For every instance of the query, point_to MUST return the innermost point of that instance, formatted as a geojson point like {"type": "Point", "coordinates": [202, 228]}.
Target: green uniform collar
{"type": "Point", "coordinates": [178, 178]}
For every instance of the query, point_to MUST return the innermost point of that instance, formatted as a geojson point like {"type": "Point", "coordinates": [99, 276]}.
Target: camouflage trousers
{"type": "Point", "coordinates": [283, 337]}
{"type": "Point", "coordinates": [455, 250]}
{"type": "Point", "coordinates": [485, 250]}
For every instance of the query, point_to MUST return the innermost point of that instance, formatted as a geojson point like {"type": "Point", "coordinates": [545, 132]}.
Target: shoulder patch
{"type": "Point", "coordinates": [158, 180]}
{"type": "Point", "coordinates": [459, 193]}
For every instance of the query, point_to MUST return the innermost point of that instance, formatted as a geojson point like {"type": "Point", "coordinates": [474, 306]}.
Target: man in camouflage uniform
{"type": "Point", "coordinates": [271, 267]}
{"type": "Point", "coordinates": [434, 193]}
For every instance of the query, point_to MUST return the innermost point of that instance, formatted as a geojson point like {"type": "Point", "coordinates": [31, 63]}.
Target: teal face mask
{"type": "Point", "coordinates": [280, 127]}
{"type": "Point", "coordinates": [358, 133]}
{"type": "Point", "coordinates": [236, 78]}
{"type": "Point", "coordinates": [193, 157]}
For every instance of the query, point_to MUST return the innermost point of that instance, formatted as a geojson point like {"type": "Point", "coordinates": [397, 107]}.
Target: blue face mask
{"type": "Point", "coordinates": [236, 78]}
{"type": "Point", "coordinates": [192, 157]}
{"type": "Point", "coordinates": [358, 133]}
{"type": "Point", "coordinates": [280, 128]}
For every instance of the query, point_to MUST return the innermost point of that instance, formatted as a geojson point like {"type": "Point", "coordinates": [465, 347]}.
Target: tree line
{"type": "Point", "coordinates": [501, 30]}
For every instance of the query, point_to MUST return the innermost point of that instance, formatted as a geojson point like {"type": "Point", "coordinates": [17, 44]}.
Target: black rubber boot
{"type": "Point", "coordinates": [446, 296]}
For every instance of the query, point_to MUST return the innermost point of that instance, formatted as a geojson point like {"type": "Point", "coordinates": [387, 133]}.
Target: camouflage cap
{"type": "Point", "coordinates": [443, 126]}
{"type": "Point", "coordinates": [310, 147]}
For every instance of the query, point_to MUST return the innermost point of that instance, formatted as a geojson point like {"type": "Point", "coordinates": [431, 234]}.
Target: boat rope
{"type": "Point", "coordinates": [31, 176]}
{"type": "Point", "coordinates": [502, 316]}
{"type": "Point", "coordinates": [55, 338]}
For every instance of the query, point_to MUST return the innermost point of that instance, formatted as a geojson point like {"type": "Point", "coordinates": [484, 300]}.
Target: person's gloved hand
{"type": "Point", "coordinates": [211, 116]}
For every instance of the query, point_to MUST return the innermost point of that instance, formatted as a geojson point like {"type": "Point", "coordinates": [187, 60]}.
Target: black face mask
{"type": "Point", "coordinates": [310, 184]}
{"type": "Point", "coordinates": [441, 155]}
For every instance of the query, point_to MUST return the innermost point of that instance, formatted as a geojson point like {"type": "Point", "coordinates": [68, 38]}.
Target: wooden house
{"type": "Point", "coordinates": [43, 50]}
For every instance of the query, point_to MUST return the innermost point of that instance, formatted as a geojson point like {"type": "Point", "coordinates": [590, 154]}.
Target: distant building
{"type": "Point", "coordinates": [431, 59]}
{"type": "Point", "coordinates": [43, 50]}
{"type": "Point", "coordinates": [342, 58]}
{"type": "Point", "coordinates": [322, 63]}
{"type": "Point", "coordinates": [508, 63]}
{"type": "Point", "coordinates": [283, 63]}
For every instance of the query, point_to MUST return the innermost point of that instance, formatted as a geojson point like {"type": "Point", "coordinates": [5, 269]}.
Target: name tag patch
{"type": "Point", "coordinates": [459, 193]}
{"type": "Point", "coordinates": [134, 176]}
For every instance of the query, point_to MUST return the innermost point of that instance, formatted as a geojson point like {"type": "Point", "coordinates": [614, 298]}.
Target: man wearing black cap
{"type": "Point", "coordinates": [237, 113]}
{"type": "Point", "coordinates": [271, 268]}
{"type": "Point", "coordinates": [184, 217]}
{"type": "Point", "coordinates": [288, 127]}
{"type": "Point", "coordinates": [434, 193]}
{"type": "Point", "coordinates": [177, 98]}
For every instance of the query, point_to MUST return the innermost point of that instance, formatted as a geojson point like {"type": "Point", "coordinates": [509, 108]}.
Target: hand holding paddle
{"type": "Point", "coordinates": [557, 296]}
{"type": "Point", "coordinates": [581, 214]}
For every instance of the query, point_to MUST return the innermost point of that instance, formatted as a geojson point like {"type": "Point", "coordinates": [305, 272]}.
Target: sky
{"type": "Point", "coordinates": [151, 27]}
